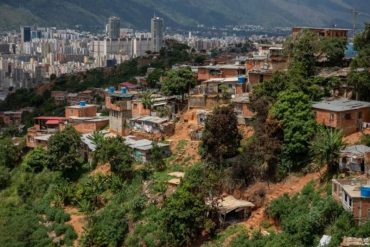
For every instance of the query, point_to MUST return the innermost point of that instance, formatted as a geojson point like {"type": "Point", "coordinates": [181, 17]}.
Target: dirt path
{"type": "Point", "coordinates": [355, 137]}
{"type": "Point", "coordinates": [78, 221]}
{"type": "Point", "coordinates": [291, 185]}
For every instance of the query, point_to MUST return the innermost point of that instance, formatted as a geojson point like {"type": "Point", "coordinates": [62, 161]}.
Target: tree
{"type": "Point", "coordinates": [359, 76]}
{"type": "Point", "coordinates": [326, 147]}
{"type": "Point", "coordinates": [36, 160]}
{"type": "Point", "coordinates": [333, 48]}
{"type": "Point", "coordinates": [9, 153]}
{"type": "Point", "coordinates": [221, 137]}
{"type": "Point", "coordinates": [362, 46]}
{"type": "Point", "coordinates": [293, 110]}
{"type": "Point", "coordinates": [118, 154]}
{"type": "Point", "coordinates": [178, 81]}
{"type": "Point", "coordinates": [304, 50]}
{"type": "Point", "coordinates": [157, 158]}
{"type": "Point", "coordinates": [63, 151]}
{"type": "Point", "coordinates": [154, 77]}
{"type": "Point", "coordinates": [184, 216]}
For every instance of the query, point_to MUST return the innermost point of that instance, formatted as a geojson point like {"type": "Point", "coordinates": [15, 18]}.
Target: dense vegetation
{"type": "Point", "coordinates": [304, 218]}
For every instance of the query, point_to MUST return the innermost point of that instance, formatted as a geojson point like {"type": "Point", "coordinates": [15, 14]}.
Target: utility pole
{"type": "Point", "coordinates": [355, 13]}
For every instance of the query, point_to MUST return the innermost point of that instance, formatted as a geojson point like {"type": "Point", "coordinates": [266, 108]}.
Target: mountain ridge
{"type": "Point", "coordinates": [181, 13]}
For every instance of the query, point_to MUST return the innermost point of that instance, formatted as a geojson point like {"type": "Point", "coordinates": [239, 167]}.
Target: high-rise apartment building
{"type": "Point", "coordinates": [26, 34]}
{"type": "Point", "coordinates": [113, 27]}
{"type": "Point", "coordinates": [157, 30]}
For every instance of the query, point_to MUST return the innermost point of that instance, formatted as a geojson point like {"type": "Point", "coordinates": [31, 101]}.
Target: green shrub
{"type": "Point", "coordinates": [107, 227]}
{"type": "Point", "coordinates": [59, 229]}
{"type": "Point", "coordinates": [4, 177]}
{"type": "Point", "coordinates": [61, 216]}
{"type": "Point", "coordinates": [70, 236]}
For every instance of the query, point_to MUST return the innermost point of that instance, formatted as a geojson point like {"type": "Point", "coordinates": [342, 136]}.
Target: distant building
{"type": "Point", "coordinates": [26, 34]}
{"type": "Point", "coordinates": [11, 118]}
{"type": "Point", "coordinates": [348, 115]}
{"type": "Point", "coordinates": [157, 30]}
{"type": "Point", "coordinates": [331, 32]}
{"type": "Point", "coordinates": [113, 27]}
{"type": "Point", "coordinates": [84, 119]}
{"type": "Point", "coordinates": [119, 105]}
{"type": "Point", "coordinates": [220, 71]}
{"type": "Point", "coordinates": [44, 127]}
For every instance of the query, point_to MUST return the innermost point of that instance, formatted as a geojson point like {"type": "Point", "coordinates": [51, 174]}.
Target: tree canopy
{"type": "Point", "coordinates": [178, 81]}
{"type": "Point", "coordinates": [221, 137]}
{"type": "Point", "coordinates": [294, 111]}
{"type": "Point", "coordinates": [63, 151]}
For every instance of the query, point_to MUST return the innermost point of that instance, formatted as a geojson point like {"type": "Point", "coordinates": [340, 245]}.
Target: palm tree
{"type": "Point", "coordinates": [147, 99]}
{"type": "Point", "coordinates": [326, 147]}
{"type": "Point", "coordinates": [97, 138]}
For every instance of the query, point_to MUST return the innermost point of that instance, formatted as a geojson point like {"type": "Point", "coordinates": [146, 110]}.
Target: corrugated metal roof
{"type": "Point", "coordinates": [357, 149]}
{"type": "Point", "coordinates": [340, 105]}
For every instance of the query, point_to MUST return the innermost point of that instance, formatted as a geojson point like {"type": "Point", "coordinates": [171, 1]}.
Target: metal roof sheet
{"type": "Point", "coordinates": [340, 105]}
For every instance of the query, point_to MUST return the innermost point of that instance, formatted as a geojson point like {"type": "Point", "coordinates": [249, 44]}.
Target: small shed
{"type": "Point", "coordinates": [231, 209]}
{"type": "Point", "coordinates": [355, 158]}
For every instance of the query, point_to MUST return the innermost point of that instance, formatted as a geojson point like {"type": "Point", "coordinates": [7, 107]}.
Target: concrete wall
{"type": "Point", "coordinates": [117, 121]}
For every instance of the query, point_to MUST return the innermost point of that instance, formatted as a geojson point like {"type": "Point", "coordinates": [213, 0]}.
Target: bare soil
{"type": "Point", "coordinates": [291, 185]}
{"type": "Point", "coordinates": [78, 222]}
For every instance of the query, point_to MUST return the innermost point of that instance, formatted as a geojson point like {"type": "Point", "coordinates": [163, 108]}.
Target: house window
{"type": "Point", "coordinates": [331, 118]}
{"type": "Point", "coordinates": [261, 78]}
{"type": "Point", "coordinates": [360, 115]}
{"type": "Point", "coordinates": [347, 116]}
{"type": "Point", "coordinates": [135, 106]}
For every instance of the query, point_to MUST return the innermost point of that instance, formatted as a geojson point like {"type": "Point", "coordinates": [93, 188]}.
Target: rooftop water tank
{"type": "Point", "coordinates": [123, 90]}
{"type": "Point", "coordinates": [241, 79]}
{"type": "Point", "coordinates": [82, 103]}
{"type": "Point", "coordinates": [365, 191]}
{"type": "Point", "coordinates": [111, 90]}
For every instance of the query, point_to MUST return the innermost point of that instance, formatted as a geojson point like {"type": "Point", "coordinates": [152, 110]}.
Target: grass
{"type": "Point", "coordinates": [181, 145]}
{"type": "Point", "coordinates": [226, 235]}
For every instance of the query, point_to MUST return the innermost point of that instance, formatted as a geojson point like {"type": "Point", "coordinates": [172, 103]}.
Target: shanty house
{"type": "Point", "coordinates": [241, 108]}
{"type": "Point", "coordinates": [355, 158]}
{"type": "Point", "coordinates": [347, 115]}
{"type": "Point", "coordinates": [141, 148]}
{"type": "Point", "coordinates": [153, 125]}
{"type": "Point", "coordinates": [231, 209]}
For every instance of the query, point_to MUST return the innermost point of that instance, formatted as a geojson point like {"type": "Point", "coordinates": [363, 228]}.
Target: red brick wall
{"type": "Point", "coordinates": [204, 75]}
{"type": "Point", "coordinates": [86, 111]}
{"type": "Point", "coordinates": [338, 121]}
{"type": "Point", "coordinates": [138, 109]}
{"type": "Point", "coordinates": [87, 127]}
{"type": "Point", "coordinates": [361, 209]}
